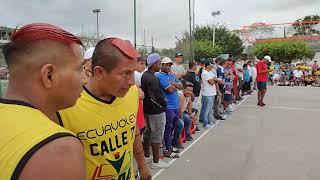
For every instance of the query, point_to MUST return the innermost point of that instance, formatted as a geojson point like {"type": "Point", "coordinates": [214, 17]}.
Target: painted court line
{"type": "Point", "coordinates": [285, 108]}
{"type": "Point", "coordinates": [194, 142]}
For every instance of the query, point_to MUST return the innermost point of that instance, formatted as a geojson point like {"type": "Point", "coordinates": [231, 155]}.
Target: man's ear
{"type": "Point", "coordinates": [48, 75]}
{"type": "Point", "coordinates": [99, 72]}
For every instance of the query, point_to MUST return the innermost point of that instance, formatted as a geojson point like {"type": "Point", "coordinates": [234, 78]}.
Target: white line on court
{"type": "Point", "coordinates": [286, 108]}
{"type": "Point", "coordinates": [194, 142]}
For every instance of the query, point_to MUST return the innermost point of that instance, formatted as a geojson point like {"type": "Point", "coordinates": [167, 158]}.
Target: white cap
{"type": "Point", "coordinates": [88, 54]}
{"type": "Point", "coordinates": [166, 60]}
{"type": "Point", "coordinates": [268, 58]}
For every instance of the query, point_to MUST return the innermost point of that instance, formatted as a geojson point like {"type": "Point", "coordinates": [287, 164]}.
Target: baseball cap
{"type": "Point", "coordinates": [203, 60]}
{"type": "Point", "coordinates": [208, 63]}
{"type": "Point", "coordinates": [268, 58]}
{"type": "Point", "coordinates": [166, 60]}
{"type": "Point", "coordinates": [152, 59]}
{"type": "Point", "coordinates": [179, 54]}
{"type": "Point", "coordinates": [88, 54]}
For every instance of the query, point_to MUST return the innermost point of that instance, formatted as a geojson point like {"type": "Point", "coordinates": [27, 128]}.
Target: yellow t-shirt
{"type": "Point", "coordinates": [23, 130]}
{"type": "Point", "coordinates": [107, 131]}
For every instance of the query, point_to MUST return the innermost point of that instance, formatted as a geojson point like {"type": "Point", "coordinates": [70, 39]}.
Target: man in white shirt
{"type": "Point", "coordinates": [254, 76]}
{"type": "Point", "coordinates": [141, 66]}
{"type": "Point", "coordinates": [209, 91]}
{"type": "Point", "coordinates": [298, 73]}
{"type": "Point", "coordinates": [177, 68]}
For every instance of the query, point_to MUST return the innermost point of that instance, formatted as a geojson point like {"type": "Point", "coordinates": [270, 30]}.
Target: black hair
{"type": "Point", "coordinates": [222, 62]}
{"type": "Point", "coordinates": [218, 60]}
{"type": "Point", "coordinates": [141, 59]}
{"type": "Point", "coordinates": [191, 64]}
{"type": "Point", "coordinates": [245, 65]}
{"type": "Point", "coordinates": [106, 55]}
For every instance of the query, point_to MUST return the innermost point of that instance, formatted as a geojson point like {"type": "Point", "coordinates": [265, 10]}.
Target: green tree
{"type": "Point", "coordinates": [306, 29]}
{"type": "Point", "coordinates": [284, 51]}
{"type": "Point", "coordinates": [204, 49]}
{"type": "Point", "coordinates": [226, 42]}
{"type": "Point", "coordinates": [229, 41]}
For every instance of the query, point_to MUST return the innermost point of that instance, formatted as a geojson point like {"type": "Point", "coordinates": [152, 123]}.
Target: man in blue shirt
{"type": "Point", "coordinates": [170, 85]}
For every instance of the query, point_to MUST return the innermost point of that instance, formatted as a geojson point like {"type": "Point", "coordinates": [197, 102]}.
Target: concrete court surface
{"type": "Point", "coordinates": [277, 142]}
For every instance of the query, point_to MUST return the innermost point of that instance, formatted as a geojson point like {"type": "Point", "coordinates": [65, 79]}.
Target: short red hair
{"type": "Point", "coordinates": [43, 31]}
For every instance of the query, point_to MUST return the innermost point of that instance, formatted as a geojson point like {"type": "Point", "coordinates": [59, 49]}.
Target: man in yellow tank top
{"type": "Point", "coordinates": [41, 59]}
{"type": "Point", "coordinates": [104, 118]}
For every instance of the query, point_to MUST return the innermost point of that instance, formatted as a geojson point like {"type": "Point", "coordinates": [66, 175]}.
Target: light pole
{"type": "Point", "coordinates": [214, 14]}
{"type": "Point", "coordinates": [97, 11]}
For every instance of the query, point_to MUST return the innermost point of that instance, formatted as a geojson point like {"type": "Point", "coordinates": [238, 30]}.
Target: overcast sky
{"type": "Point", "coordinates": [164, 19]}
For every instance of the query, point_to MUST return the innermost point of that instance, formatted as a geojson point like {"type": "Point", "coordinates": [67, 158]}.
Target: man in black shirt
{"type": "Point", "coordinates": [154, 110]}
{"type": "Point", "coordinates": [192, 77]}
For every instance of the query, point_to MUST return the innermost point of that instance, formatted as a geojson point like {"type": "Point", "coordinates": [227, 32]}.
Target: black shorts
{"type": "Point", "coordinates": [246, 86]}
{"type": "Point", "coordinates": [262, 85]}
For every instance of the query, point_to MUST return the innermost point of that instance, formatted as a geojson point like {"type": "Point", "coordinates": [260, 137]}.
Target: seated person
{"type": "Point", "coordinates": [185, 108]}
{"type": "Point", "coordinates": [308, 80]}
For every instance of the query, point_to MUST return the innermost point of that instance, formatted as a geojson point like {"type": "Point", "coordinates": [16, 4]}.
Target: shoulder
{"type": "Point", "coordinates": [52, 158]}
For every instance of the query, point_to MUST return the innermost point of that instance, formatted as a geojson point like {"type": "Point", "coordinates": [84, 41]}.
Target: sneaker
{"type": "Point", "coordinates": [207, 126]}
{"type": "Point", "coordinates": [226, 113]}
{"type": "Point", "coordinates": [178, 146]}
{"type": "Point", "coordinates": [160, 165]}
{"type": "Point", "coordinates": [148, 159]}
{"type": "Point", "coordinates": [232, 106]}
{"type": "Point", "coordinates": [230, 109]}
{"type": "Point", "coordinates": [197, 128]}
{"type": "Point", "coordinates": [220, 118]}
{"type": "Point", "coordinates": [175, 150]}
{"type": "Point", "coordinates": [189, 138]}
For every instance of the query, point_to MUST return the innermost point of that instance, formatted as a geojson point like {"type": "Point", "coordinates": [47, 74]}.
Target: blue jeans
{"type": "Point", "coordinates": [206, 109]}
{"type": "Point", "coordinates": [173, 123]}
{"type": "Point", "coordinates": [187, 123]}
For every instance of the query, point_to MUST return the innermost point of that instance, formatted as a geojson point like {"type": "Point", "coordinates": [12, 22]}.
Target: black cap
{"type": "Point", "coordinates": [208, 63]}
{"type": "Point", "coordinates": [203, 60]}
{"type": "Point", "coordinates": [179, 54]}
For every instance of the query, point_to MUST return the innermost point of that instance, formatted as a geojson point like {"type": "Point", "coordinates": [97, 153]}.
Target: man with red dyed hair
{"type": "Point", "coordinates": [44, 63]}
{"type": "Point", "coordinates": [104, 118]}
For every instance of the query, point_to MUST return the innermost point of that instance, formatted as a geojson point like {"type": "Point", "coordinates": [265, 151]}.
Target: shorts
{"type": "Point", "coordinates": [262, 85]}
{"type": "Point", "coordinates": [227, 97]}
{"type": "Point", "coordinates": [246, 86]}
{"type": "Point", "coordinates": [155, 125]}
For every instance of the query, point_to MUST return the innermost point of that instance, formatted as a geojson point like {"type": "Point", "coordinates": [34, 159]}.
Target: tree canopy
{"type": "Point", "coordinates": [284, 51]}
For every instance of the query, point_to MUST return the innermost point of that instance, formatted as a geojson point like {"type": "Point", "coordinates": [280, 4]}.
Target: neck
{"type": "Point", "coordinates": [191, 70]}
{"type": "Point", "coordinates": [30, 95]}
{"type": "Point", "coordinates": [152, 70]}
{"type": "Point", "coordinates": [177, 63]}
{"type": "Point", "coordinates": [93, 87]}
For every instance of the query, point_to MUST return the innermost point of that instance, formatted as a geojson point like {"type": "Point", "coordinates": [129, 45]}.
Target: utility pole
{"type": "Point", "coordinates": [97, 11]}
{"type": "Point", "coordinates": [190, 33]}
{"type": "Point", "coordinates": [284, 32]}
{"type": "Point", "coordinates": [152, 47]}
{"type": "Point", "coordinates": [135, 24]}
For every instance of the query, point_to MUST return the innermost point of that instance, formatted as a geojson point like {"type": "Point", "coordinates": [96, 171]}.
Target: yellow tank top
{"type": "Point", "coordinates": [23, 130]}
{"type": "Point", "coordinates": [107, 131]}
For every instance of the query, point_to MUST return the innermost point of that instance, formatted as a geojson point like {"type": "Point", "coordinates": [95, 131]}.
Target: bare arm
{"type": "Point", "coordinates": [181, 104]}
{"type": "Point", "coordinates": [178, 85]}
{"type": "Point", "coordinates": [189, 107]}
{"type": "Point", "coordinates": [139, 156]}
{"type": "Point", "coordinates": [62, 158]}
